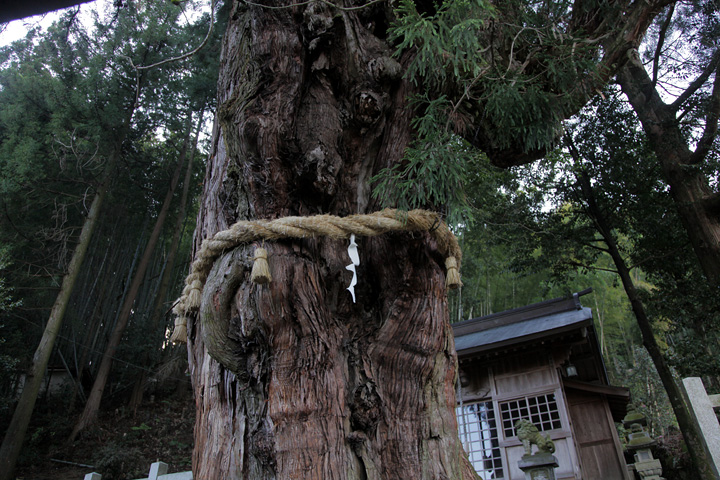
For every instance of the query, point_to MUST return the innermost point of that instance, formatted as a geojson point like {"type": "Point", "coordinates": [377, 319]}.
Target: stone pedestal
{"type": "Point", "coordinates": [649, 469]}
{"type": "Point", "coordinates": [540, 466]}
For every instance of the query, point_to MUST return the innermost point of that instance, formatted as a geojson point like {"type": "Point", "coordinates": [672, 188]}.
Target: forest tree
{"type": "Point", "coordinates": [315, 100]}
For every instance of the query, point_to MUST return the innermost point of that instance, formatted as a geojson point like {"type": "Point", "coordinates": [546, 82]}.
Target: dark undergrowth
{"type": "Point", "coordinates": [120, 446]}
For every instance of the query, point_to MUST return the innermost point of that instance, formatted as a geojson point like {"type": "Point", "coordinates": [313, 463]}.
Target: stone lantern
{"type": "Point", "coordinates": [641, 445]}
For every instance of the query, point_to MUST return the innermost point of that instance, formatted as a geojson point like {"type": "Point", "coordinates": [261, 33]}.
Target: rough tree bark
{"type": "Point", "coordinates": [312, 105]}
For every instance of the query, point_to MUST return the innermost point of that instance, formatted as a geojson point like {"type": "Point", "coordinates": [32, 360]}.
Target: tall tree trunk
{"type": "Point", "coordinates": [686, 420]}
{"type": "Point", "coordinates": [159, 305]}
{"type": "Point", "coordinates": [90, 327]}
{"type": "Point", "coordinates": [15, 434]}
{"type": "Point", "coordinates": [92, 406]}
{"type": "Point", "coordinates": [323, 388]}
{"type": "Point", "coordinates": [697, 204]}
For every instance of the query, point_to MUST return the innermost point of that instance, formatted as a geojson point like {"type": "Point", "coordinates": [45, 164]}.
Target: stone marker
{"type": "Point", "coordinates": [157, 469]}
{"type": "Point", "coordinates": [703, 410]}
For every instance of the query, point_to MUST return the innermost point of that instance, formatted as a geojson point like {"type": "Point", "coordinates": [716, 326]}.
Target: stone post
{"type": "Point", "coordinates": [702, 405]}
{"type": "Point", "coordinates": [157, 469]}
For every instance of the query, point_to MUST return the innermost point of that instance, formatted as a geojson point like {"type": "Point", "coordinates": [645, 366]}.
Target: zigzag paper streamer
{"type": "Point", "coordinates": [355, 259]}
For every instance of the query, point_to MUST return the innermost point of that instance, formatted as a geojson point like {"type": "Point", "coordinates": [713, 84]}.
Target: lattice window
{"type": "Point", "coordinates": [541, 410]}
{"type": "Point", "coordinates": [479, 435]}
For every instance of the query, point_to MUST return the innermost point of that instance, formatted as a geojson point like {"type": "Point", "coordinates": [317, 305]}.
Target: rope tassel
{"type": "Point", "coordinates": [261, 270]}
{"type": "Point", "coordinates": [179, 334]}
{"type": "Point", "coordinates": [452, 277]}
{"type": "Point", "coordinates": [194, 295]}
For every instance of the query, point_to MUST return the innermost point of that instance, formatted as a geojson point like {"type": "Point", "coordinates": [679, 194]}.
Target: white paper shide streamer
{"type": "Point", "coordinates": [355, 259]}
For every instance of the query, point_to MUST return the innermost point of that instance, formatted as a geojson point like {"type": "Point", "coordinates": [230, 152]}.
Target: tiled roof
{"type": "Point", "coordinates": [540, 320]}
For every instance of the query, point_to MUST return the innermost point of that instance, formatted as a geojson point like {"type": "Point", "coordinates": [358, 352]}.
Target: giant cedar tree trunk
{"type": "Point", "coordinates": [310, 106]}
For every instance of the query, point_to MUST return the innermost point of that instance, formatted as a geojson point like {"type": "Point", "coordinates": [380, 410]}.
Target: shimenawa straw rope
{"type": "Point", "coordinates": [369, 225]}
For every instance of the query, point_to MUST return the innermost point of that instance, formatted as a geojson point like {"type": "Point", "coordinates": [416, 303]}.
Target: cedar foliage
{"type": "Point", "coordinates": [499, 78]}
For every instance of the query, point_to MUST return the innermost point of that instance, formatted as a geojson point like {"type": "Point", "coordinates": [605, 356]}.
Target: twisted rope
{"type": "Point", "coordinates": [369, 225]}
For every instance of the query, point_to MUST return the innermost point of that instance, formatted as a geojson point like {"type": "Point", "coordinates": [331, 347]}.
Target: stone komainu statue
{"type": "Point", "coordinates": [529, 435]}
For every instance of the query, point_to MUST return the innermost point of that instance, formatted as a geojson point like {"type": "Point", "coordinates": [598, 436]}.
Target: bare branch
{"type": "Point", "coordinates": [670, 254]}
{"type": "Point", "coordinates": [698, 82]}
{"type": "Point", "coordinates": [661, 42]}
{"type": "Point", "coordinates": [575, 263]}
{"type": "Point", "coordinates": [191, 52]}
{"type": "Point", "coordinates": [596, 247]}
{"type": "Point", "coordinates": [711, 122]}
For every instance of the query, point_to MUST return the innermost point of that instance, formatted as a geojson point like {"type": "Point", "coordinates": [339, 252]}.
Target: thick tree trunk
{"type": "Point", "coordinates": [311, 105]}
{"type": "Point", "coordinates": [92, 405]}
{"type": "Point", "coordinates": [15, 434]}
{"type": "Point", "coordinates": [697, 204]}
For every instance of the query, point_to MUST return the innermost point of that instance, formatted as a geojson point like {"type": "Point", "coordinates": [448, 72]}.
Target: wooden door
{"type": "Point", "coordinates": [595, 437]}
